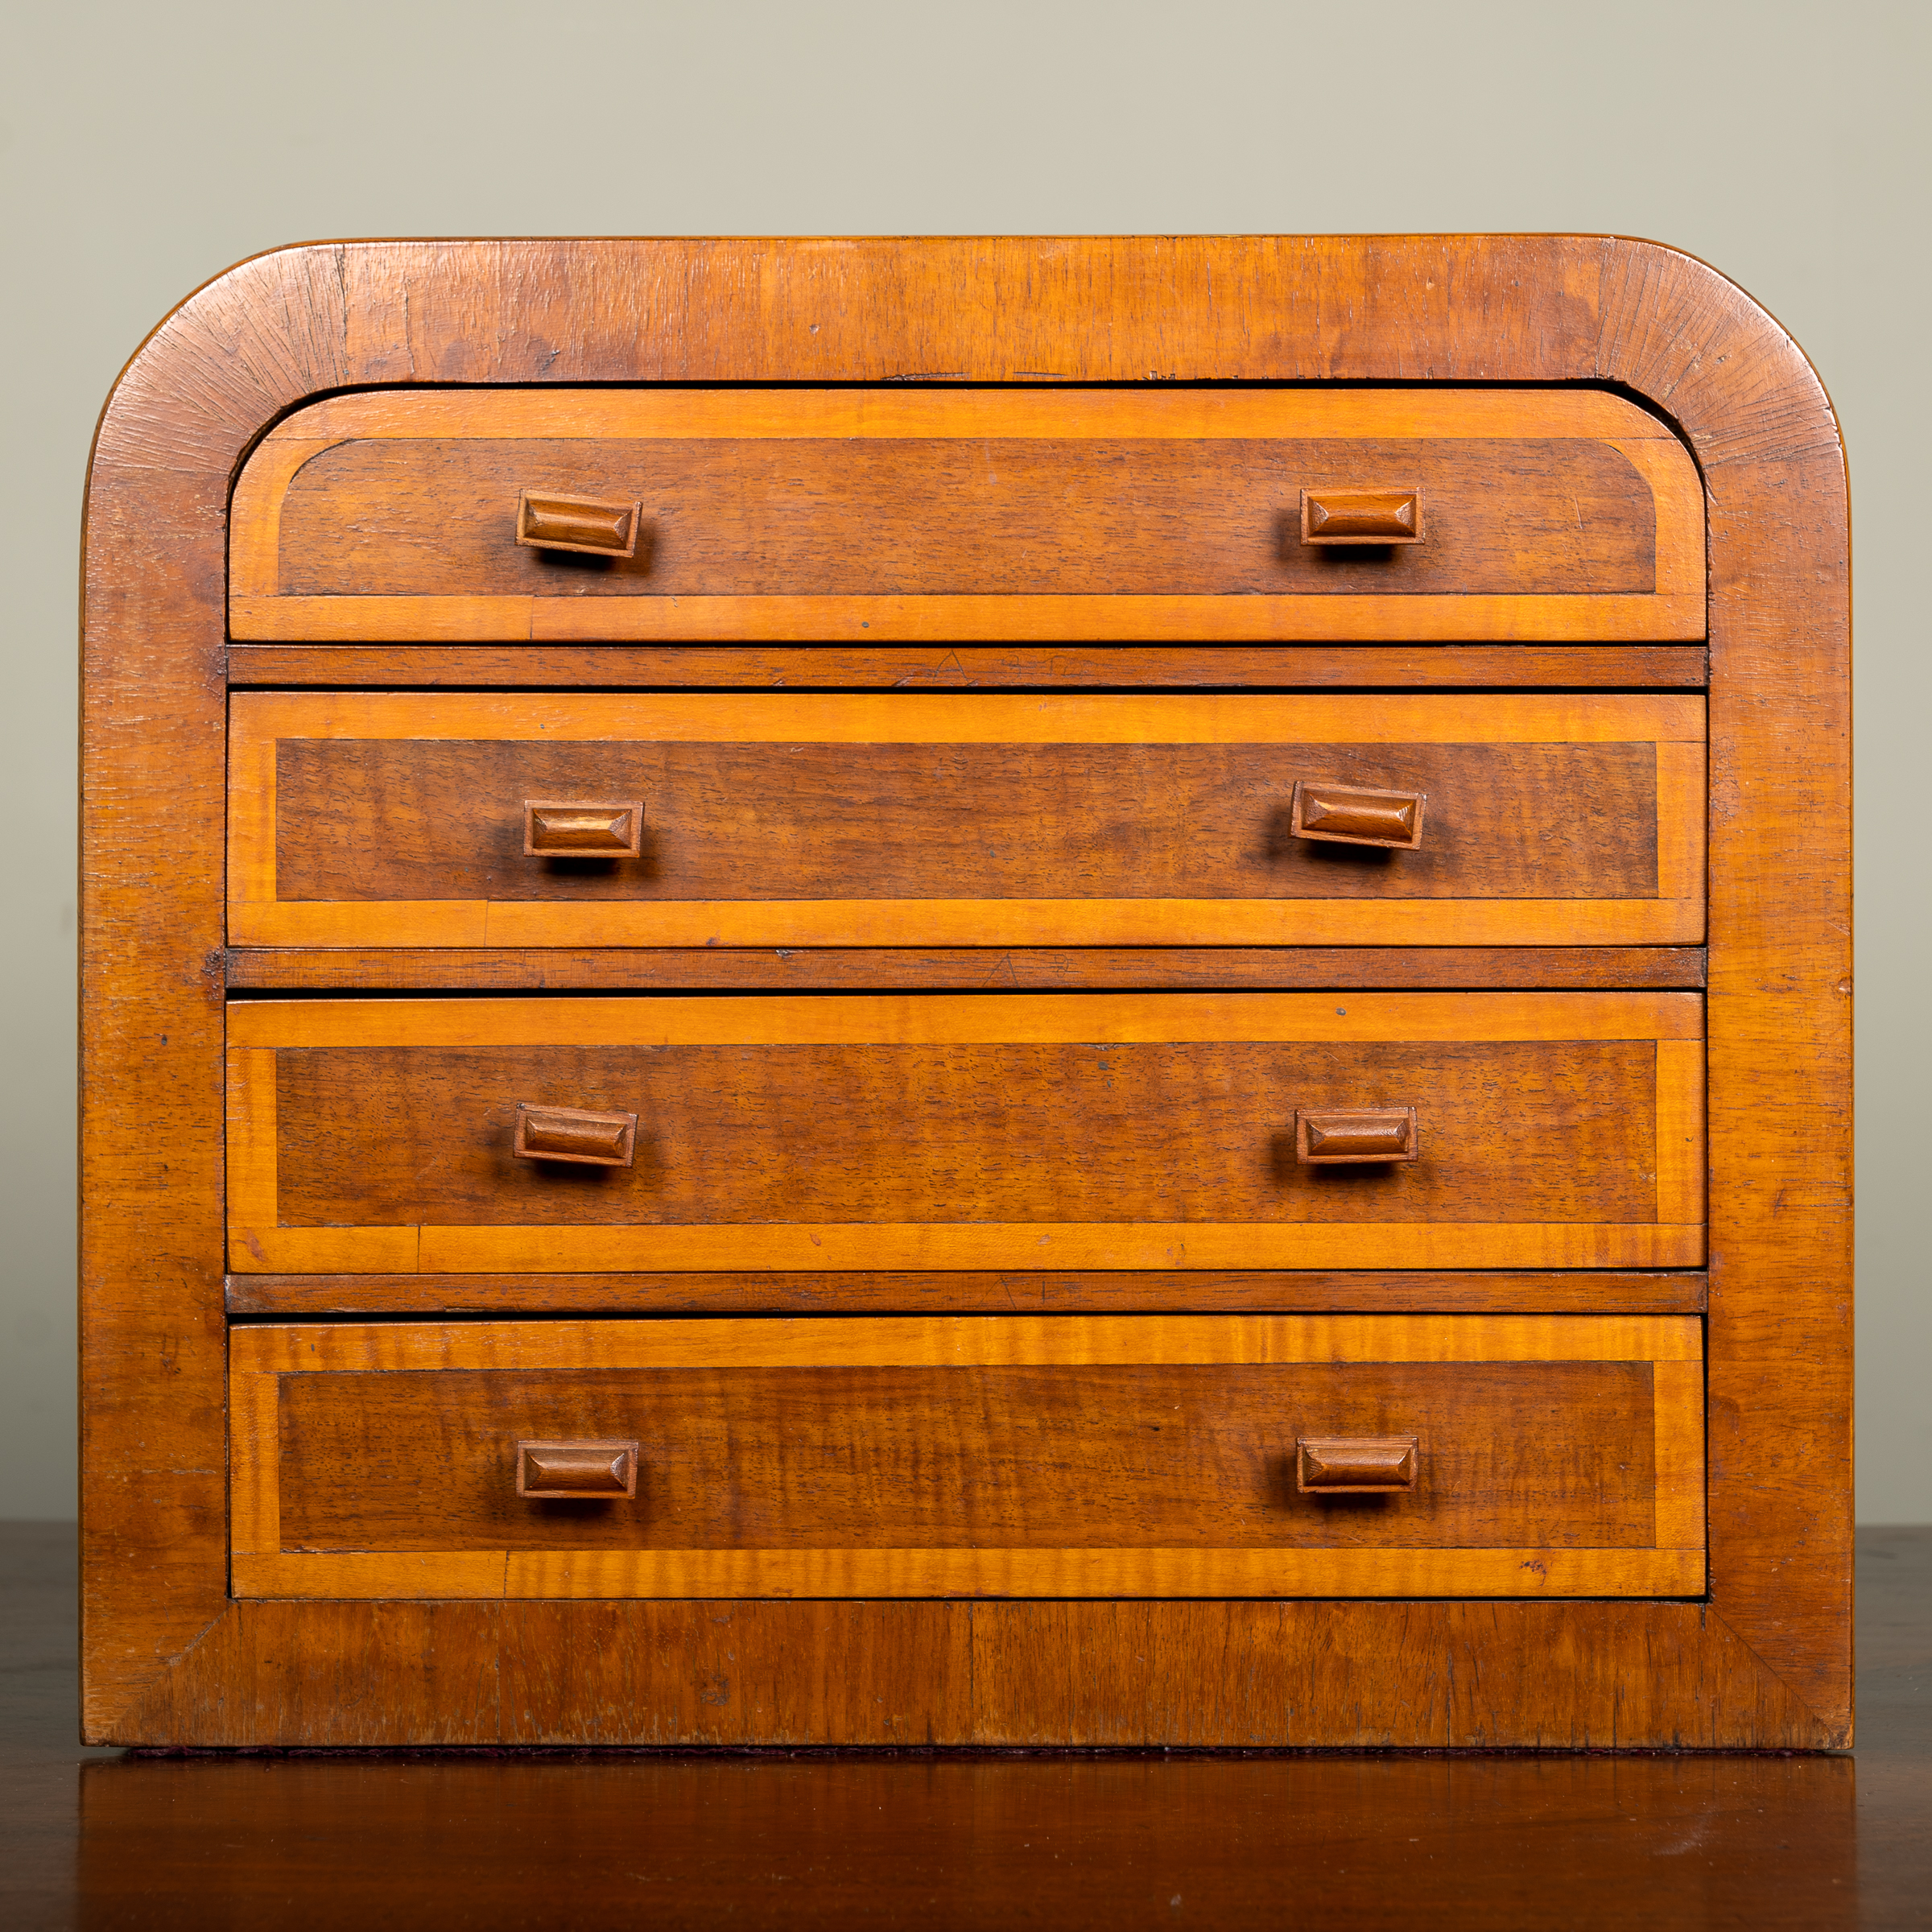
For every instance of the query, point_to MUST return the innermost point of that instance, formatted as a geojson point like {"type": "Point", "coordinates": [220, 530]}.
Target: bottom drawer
{"type": "Point", "coordinates": [1043, 1457]}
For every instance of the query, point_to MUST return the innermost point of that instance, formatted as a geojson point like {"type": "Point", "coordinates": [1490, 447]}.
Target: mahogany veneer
{"type": "Point", "coordinates": [1254, 1128]}
{"type": "Point", "coordinates": [823, 821]}
{"type": "Point", "coordinates": [997, 1456]}
{"type": "Point", "coordinates": [1019, 512]}
{"type": "Point", "coordinates": [1101, 1131]}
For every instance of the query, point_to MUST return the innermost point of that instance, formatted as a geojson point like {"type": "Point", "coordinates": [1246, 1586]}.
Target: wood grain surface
{"type": "Point", "coordinates": [430, 828]}
{"type": "Point", "coordinates": [986, 1571]}
{"type": "Point", "coordinates": [998, 820]}
{"type": "Point", "coordinates": [950, 969]}
{"type": "Point", "coordinates": [940, 516]}
{"type": "Point", "coordinates": [1517, 1131]}
{"type": "Point", "coordinates": [865, 1841]}
{"type": "Point", "coordinates": [967, 1019]}
{"type": "Point", "coordinates": [1035, 411]}
{"type": "Point", "coordinates": [833, 1458]}
{"type": "Point", "coordinates": [1765, 1661]}
{"type": "Point", "coordinates": [1569, 1291]}
{"type": "Point", "coordinates": [1364, 618]}
{"type": "Point", "coordinates": [1480, 1674]}
{"type": "Point", "coordinates": [398, 1347]}
{"type": "Point", "coordinates": [1061, 1456]}
{"type": "Point", "coordinates": [970, 667]}
{"type": "Point", "coordinates": [359, 820]}
{"type": "Point", "coordinates": [1092, 1131]}
{"type": "Point", "coordinates": [1016, 511]}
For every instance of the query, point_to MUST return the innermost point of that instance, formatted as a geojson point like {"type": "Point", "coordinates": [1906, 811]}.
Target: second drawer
{"type": "Point", "coordinates": [521, 819]}
{"type": "Point", "coordinates": [1160, 1130]}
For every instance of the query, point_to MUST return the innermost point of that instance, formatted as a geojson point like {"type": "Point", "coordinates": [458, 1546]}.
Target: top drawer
{"type": "Point", "coordinates": [881, 515]}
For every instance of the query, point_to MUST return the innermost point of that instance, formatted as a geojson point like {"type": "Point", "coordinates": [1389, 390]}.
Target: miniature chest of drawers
{"type": "Point", "coordinates": [967, 993]}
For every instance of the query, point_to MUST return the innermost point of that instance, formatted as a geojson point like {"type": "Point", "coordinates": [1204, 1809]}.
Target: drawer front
{"type": "Point", "coordinates": [1161, 1130]}
{"type": "Point", "coordinates": [1149, 1456]}
{"type": "Point", "coordinates": [878, 516]}
{"type": "Point", "coordinates": [369, 819]}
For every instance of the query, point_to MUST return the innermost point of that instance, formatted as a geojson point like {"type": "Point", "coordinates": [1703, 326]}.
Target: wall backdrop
{"type": "Point", "coordinates": [144, 149]}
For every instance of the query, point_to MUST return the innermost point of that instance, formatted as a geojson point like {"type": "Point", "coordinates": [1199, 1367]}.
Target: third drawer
{"type": "Point", "coordinates": [1085, 1130]}
{"type": "Point", "coordinates": [361, 819]}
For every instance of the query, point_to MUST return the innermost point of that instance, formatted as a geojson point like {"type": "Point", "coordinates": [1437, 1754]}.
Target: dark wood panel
{"type": "Point", "coordinates": [946, 516]}
{"type": "Point", "coordinates": [958, 1845]}
{"type": "Point", "coordinates": [1515, 1455]}
{"type": "Point", "coordinates": [1532, 1131]}
{"type": "Point", "coordinates": [361, 819]}
{"type": "Point", "coordinates": [1572, 1291]}
{"type": "Point", "coordinates": [667, 968]}
{"type": "Point", "coordinates": [975, 666]}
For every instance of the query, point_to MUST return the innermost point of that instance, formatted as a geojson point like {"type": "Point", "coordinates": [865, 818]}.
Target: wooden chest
{"type": "Point", "coordinates": [968, 993]}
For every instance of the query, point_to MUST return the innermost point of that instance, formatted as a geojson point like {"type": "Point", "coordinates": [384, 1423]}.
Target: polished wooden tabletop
{"type": "Point", "coordinates": [101, 1839]}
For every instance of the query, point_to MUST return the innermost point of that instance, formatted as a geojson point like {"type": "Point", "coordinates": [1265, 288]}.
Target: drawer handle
{"type": "Point", "coordinates": [571, 829]}
{"type": "Point", "coordinates": [1332, 1136]}
{"type": "Point", "coordinates": [576, 1469]}
{"type": "Point", "coordinates": [545, 521]}
{"type": "Point", "coordinates": [1361, 516]}
{"type": "Point", "coordinates": [1361, 1465]}
{"type": "Point", "coordinates": [1353, 815]}
{"type": "Point", "coordinates": [571, 1133]}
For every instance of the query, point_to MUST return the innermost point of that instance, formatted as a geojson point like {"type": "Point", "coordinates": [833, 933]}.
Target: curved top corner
{"type": "Point", "coordinates": [1708, 354]}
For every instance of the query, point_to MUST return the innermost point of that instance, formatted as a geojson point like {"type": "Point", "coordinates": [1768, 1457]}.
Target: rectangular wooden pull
{"type": "Point", "coordinates": [576, 1469]}
{"type": "Point", "coordinates": [1361, 516]}
{"type": "Point", "coordinates": [573, 828]}
{"type": "Point", "coordinates": [571, 1133]}
{"type": "Point", "coordinates": [548, 521]}
{"type": "Point", "coordinates": [1362, 1465]}
{"type": "Point", "coordinates": [1333, 1135]}
{"type": "Point", "coordinates": [1356, 815]}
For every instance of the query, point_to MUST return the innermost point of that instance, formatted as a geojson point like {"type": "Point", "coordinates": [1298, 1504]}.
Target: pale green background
{"type": "Point", "coordinates": [146, 148]}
